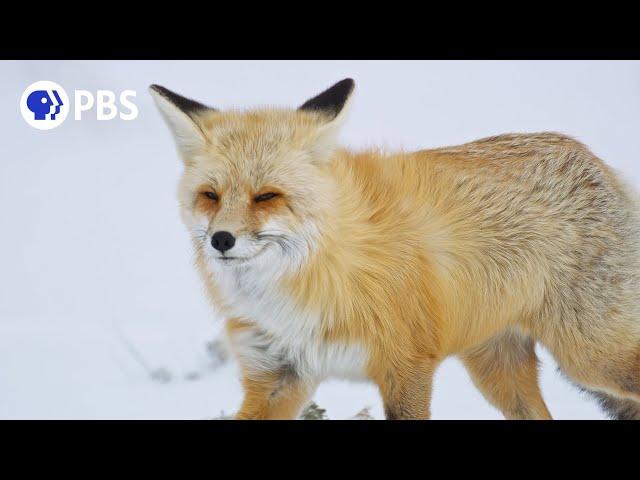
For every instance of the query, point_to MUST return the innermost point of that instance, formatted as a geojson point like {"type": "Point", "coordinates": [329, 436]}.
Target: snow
{"type": "Point", "coordinates": [97, 289]}
{"type": "Point", "coordinates": [57, 368]}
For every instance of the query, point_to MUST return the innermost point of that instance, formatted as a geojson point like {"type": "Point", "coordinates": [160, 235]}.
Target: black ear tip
{"type": "Point", "coordinates": [332, 100]}
{"type": "Point", "coordinates": [348, 84]}
{"type": "Point", "coordinates": [165, 92]}
{"type": "Point", "coordinates": [185, 104]}
{"type": "Point", "coordinates": [343, 88]}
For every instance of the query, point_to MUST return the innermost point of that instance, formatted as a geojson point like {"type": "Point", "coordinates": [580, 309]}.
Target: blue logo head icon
{"type": "Point", "coordinates": [42, 104]}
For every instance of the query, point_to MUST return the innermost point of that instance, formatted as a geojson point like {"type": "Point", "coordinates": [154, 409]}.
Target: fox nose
{"type": "Point", "coordinates": [222, 241]}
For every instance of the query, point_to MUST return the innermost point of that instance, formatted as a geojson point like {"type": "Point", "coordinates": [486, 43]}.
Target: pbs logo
{"type": "Point", "coordinates": [44, 105]}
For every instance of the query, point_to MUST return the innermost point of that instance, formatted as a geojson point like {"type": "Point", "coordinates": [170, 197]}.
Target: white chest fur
{"type": "Point", "coordinates": [285, 335]}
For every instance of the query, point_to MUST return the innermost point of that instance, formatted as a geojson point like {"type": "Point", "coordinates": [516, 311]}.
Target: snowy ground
{"type": "Point", "coordinates": [95, 264]}
{"type": "Point", "coordinates": [61, 369]}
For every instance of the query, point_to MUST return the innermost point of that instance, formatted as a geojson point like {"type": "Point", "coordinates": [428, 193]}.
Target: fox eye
{"type": "Point", "coordinates": [263, 197]}
{"type": "Point", "coordinates": [211, 195]}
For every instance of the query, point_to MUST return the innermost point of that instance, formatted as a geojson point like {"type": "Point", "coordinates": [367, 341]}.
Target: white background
{"type": "Point", "coordinates": [94, 261]}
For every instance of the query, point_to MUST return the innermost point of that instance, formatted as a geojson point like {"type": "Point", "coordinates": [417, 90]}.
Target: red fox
{"type": "Point", "coordinates": [376, 266]}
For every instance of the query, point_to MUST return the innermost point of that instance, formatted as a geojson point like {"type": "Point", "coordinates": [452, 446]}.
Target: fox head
{"type": "Point", "coordinates": [256, 184]}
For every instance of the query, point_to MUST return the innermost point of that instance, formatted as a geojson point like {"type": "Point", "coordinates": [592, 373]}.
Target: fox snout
{"type": "Point", "coordinates": [222, 241]}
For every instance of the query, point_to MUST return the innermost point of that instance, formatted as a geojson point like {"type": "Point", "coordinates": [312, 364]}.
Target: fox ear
{"type": "Point", "coordinates": [332, 107]}
{"type": "Point", "coordinates": [332, 101]}
{"type": "Point", "coordinates": [183, 117]}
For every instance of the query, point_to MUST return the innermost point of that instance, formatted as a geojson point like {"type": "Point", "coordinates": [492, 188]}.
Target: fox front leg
{"type": "Point", "coordinates": [406, 392]}
{"type": "Point", "coordinates": [278, 395]}
{"type": "Point", "coordinates": [273, 388]}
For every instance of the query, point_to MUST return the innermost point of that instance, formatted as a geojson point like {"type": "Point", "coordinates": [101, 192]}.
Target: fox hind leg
{"type": "Point", "coordinates": [610, 371]}
{"type": "Point", "coordinates": [505, 370]}
{"type": "Point", "coordinates": [618, 408]}
{"type": "Point", "coordinates": [621, 401]}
